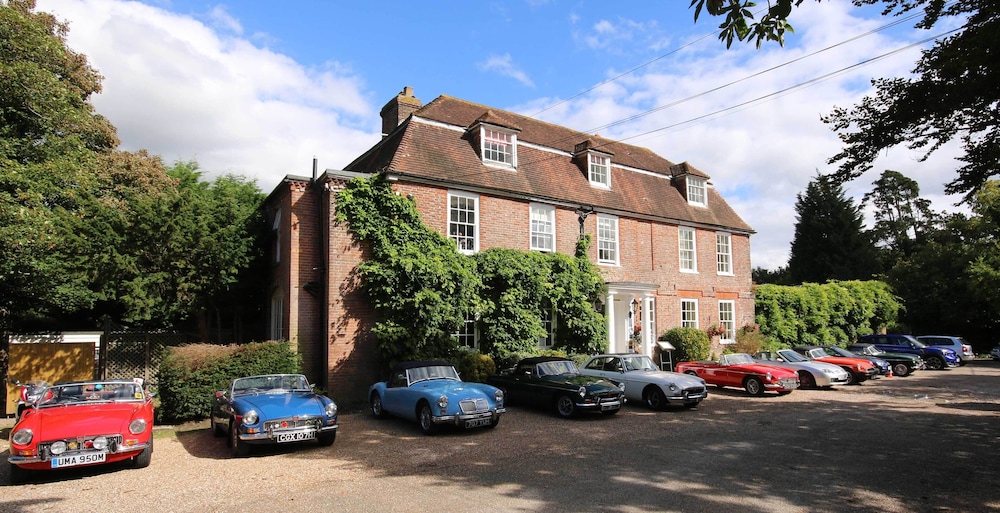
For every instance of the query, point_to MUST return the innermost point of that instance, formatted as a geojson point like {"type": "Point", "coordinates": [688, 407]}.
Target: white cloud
{"type": "Point", "coordinates": [762, 154]}
{"type": "Point", "coordinates": [504, 65]}
{"type": "Point", "coordinates": [179, 88]}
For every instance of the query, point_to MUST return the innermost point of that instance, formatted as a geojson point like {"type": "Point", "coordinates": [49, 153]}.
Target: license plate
{"type": "Point", "coordinates": [79, 459]}
{"type": "Point", "coordinates": [478, 422]}
{"type": "Point", "coordinates": [296, 437]}
{"type": "Point", "coordinates": [610, 406]}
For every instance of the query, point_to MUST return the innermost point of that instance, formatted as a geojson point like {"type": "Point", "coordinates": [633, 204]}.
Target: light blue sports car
{"type": "Point", "coordinates": [272, 409]}
{"type": "Point", "coordinates": [431, 393]}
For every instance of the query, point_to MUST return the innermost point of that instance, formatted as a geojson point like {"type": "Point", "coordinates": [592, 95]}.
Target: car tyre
{"type": "Point", "coordinates": [900, 369]}
{"type": "Point", "coordinates": [377, 410]}
{"type": "Point", "coordinates": [495, 421]}
{"type": "Point", "coordinates": [18, 475]}
{"type": "Point", "coordinates": [327, 439]}
{"type": "Point", "coordinates": [935, 363]}
{"type": "Point", "coordinates": [655, 398]}
{"type": "Point", "coordinates": [237, 447]}
{"type": "Point", "coordinates": [565, 406]}
{"type": "Point", "coordinates": [145, 457]}
{"type": "Point", "coordinates": [611, 412]}
{"type": "Point", "coordinates": [217, 431]}
{"type": "Point", "coordinates": [426, 419]}
{"type": "Point", "coordinates": [852, 379]}
{"type": "Point", "coordinates": [754, 386]}
{"type": "Point", "coordinates": [806, 380]}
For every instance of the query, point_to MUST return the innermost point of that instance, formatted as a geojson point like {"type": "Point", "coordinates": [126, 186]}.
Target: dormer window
{"type": "Point", "coordinates": [499, 147]}
{"type": "Point", "coordinates": [599, 169]}
{"type": "Point", "coordinates": [696, 193]}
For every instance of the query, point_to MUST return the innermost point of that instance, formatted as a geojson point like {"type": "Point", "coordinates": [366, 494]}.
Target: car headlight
{"type": "Point", "coordinates": [443, 402]}
{"type": "Point", "coordinates": [22, 437]}
{"type": "Point", "coordinates": [621, 386]}
{"type": "Point", "coordinates": [860, 367]}
{"type": "Point", "coordinates": [673, 387]}
{"type": "Point", "coordinates": [498, 396]}
{"type": "Point", "coordinates": [582, 391]}
{"type": "Point", "coordinates": [250, 417]}
{"type": "Point", "coordinates": [137, 426]}
{"type": "Point", "coordinates": [57, 448]}
{"type": "Point", "coordinates": [768, 377]}
{"type": "Point", "coordinates": [331, 409]}
{"type": "Point", "coordinates": [100, 443]}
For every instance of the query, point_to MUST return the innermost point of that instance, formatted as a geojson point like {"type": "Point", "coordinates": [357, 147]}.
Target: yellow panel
{"type": "Point", "coordinates": [51, 362]}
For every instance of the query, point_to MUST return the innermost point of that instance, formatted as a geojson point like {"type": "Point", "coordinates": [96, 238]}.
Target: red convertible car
{"type": "Point", "coordinates": [740, 370]}
{"type": "Point", "coordinates": [83, 423]}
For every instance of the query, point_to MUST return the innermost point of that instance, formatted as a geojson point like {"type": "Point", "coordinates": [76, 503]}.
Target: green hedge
{"type": "Point", "coordinates": [690, 344]}
{"type": "Point", "coordinates": [190, 375]}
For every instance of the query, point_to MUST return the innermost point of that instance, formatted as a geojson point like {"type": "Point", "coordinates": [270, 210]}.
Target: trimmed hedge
{"type": "Point", "coordinates": [690, 344]}
{"type": "Point", "coordinates": [190, 374]}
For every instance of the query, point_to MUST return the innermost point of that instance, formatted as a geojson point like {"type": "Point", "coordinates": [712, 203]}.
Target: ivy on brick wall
{"type": "Point", "coordinates": [422, 288]}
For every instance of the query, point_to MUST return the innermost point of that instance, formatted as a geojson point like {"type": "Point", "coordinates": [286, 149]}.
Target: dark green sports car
{"type": "Point", "coordinates": [554, 382]}
{"type": "Point", "coordinates": [902, 364]}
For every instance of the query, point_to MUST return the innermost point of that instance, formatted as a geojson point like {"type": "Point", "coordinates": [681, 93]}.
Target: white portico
{"type": "Point", "coordinates": [630, 310]}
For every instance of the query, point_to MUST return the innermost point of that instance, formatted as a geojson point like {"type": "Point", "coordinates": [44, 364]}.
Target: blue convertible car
{"type": "Point", "coordinates": [431, 393]}
{"type": "Point", "coordinates": [273, 409]}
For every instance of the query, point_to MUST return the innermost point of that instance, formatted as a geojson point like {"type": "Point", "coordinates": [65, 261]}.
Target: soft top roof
{"type": "Point", "coordinates": [401, 366]}
{"type": "Point", "coordinates": [542, 359]}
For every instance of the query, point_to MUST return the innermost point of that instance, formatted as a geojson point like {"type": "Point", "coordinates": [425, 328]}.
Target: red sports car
{"type": "Point", "coordinates": [83, 423]}
{"type": "Point", "coordinates": [740, 370]}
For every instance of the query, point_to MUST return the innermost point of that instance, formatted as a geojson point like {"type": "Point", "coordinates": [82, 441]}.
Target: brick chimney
{"type": "Point", "coordinates": [398, 109]}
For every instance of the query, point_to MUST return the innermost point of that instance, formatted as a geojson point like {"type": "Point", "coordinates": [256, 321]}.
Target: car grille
{"type": "Point", "coordinates": [291, 423]}
{"type": "Point", "coordinates": [689, 391]}
{"type": "Point", "coordinates": [477, 405]}
{"type": "Point", "coordinates": [606, 397]}
{"type": "Point", "coordinates": [788, 382]}
{"type": "Point", "coordinates": [79, 443]}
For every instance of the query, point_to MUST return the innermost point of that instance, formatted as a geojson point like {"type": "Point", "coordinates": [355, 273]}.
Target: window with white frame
{"type": "Point", "coordinates": [543, 227]}
{"type": "Point", "coordinates": [723, 253]}
{"type": "Point", "coordinates": [463, 221]}
{"type": "Point", "coordinates": [696, 192]}
{"type": "Point", "coordinates": [499, 147]}
{"type": "Point", "coordinates": [686, 247]}
{"type": "Point", "coordinates": [689, 313]}
{"type": "Point", "coordinates": [599, 169]}
{"type": "Point", "coordinates": [466, 333]}
{"type": "Point", "coordinates": [607, 239]}
{"type": "Point", "coordinates": [727, 322]}
{"type": "Point", "coordinates": [549, 325]}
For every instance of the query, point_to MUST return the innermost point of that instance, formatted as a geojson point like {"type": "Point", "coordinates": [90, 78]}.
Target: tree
{"type": "Point", "coordinates": [902, 217]}
{"type": "Point", "coordinates": [829, 241]}
{"type": "Point", "coordinates": [953, 94]}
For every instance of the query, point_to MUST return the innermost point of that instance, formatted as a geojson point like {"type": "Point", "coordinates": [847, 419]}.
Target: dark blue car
{"type": "Point", "coordinates": [935, 358]}
{"type": "Point", "coordinates": [273, 409]}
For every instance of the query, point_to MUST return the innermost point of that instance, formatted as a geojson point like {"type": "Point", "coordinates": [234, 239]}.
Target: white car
{"type": "Point", "coordinates": [645, 382]}
{"type": "Point", "coordinates": [812, 373]}
{"type": "Point", "coordinates": [995, 353]}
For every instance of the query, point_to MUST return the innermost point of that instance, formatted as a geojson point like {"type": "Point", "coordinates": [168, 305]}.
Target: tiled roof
{"type": "Point", "coordinates": [449, 156]}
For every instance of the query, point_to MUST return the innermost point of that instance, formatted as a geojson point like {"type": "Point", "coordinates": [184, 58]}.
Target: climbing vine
{"type": "Point", "coordinates": [422, 288]}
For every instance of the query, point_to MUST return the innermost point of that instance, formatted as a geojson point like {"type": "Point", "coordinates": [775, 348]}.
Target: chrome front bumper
{"type": "Point", "coordinates": [20, 460]}
{"type": "Point", "coordinates": [462, 418]}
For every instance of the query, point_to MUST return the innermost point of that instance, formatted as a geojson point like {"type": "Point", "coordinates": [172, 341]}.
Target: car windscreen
{"type": "Point", "coordinates": [638, 363]}
{"type": "Point", "coordinates": [431, 372]}
{"type": "Point", "coordinates": [791, 356]}
{"type": "Point", "coordinates": [89, 393]}
{"type": "Point", "coordinates": [270, 383]}
{"type": "Point", "coordinates": [839, 351]}
{"type": "Point", "coordinates": [556, 368]}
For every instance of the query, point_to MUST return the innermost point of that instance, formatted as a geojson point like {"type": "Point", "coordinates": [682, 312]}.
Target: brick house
{"type": "Point", "coordinates": [672, 251]}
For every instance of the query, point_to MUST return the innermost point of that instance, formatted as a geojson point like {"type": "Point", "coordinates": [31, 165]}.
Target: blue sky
{"type": "Point", "coordinates": [258, 88]}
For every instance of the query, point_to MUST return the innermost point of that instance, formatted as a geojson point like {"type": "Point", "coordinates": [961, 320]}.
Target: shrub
{"type": "Point", "coordinates": [475, 366]}
{"type": "Point", "coordinates": [691, 344]}
{"type": "Point", "coordinates": [190, 375]}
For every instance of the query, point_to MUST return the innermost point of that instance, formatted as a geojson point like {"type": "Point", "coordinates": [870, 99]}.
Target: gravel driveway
{"type": "Point", "coordinates": [928, 442]}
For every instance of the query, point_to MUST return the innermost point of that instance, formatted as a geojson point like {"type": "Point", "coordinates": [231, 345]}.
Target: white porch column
{"type": "Point", "coordinates": [609, 312]}
{"type": "Point", "coordinates": [648, 337]}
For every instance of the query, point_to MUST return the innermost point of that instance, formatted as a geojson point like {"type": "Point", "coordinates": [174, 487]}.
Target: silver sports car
{"type": "Point", "coordinates": [645, 382]}
{"type": "Point", "coordinates": [812, 374]}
